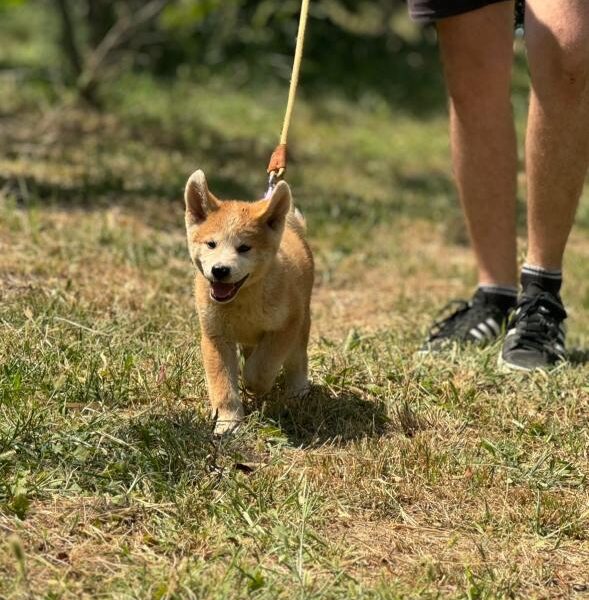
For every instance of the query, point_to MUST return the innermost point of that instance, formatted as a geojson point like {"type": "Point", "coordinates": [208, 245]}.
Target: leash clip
{"type": "Point", "coordinates": [273, 179]}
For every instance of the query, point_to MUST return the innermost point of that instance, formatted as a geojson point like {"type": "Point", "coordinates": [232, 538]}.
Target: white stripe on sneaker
{"type": "Point", "coordinates": [477, 334]}
{"type": "Point", "coordinates": [493, 325]}
{"type": "Point", "coordinates": [484, 328]}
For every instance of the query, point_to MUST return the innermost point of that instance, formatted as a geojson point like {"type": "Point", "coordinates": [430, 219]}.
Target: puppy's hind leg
{"type": "Point", "coordinates": [296, 366]}
{"type": "Point", "coordinates": [264, 363]}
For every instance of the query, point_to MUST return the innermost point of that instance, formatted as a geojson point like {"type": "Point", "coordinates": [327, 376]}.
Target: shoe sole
{"type": "Point", "coordinates": [431, 352]}
{"type": "Point", "coordinates": [507, 367]}
{"type": "Point", "coordinates": [452, 346]}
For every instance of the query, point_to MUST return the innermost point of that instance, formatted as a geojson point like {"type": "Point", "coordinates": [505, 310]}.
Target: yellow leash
{"type": "Point", "coordinates": [277, 165]}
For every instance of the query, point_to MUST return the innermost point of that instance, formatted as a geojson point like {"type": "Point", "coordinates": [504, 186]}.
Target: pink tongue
{"type": "Point", "coordinates": [222, 290]}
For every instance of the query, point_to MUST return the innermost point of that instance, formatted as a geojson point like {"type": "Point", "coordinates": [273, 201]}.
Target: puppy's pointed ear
{"type": "Point", "coordinates": [199, 201]}
{"type": "Point", "coordinates": [277, 207]}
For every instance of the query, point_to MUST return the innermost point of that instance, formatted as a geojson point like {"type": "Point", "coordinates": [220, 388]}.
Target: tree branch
{"type": "Point", "coordinates": [114, 38]}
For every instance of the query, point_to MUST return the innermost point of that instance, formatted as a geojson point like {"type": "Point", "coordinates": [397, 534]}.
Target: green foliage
{"type": "Point", "coordinates": [348, 45]}
{"type": "Point", "coordinates": [8, 4]}
{"type": "Point", "coordinates": [259, 36]}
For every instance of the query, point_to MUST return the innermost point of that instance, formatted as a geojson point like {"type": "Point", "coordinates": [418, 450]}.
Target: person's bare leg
{"type": "Point", "coordinates": [477, 54]}
{"type": "Point", "coordinates": [557, 155]}
{"type": "Point", "coordinates": [557, 144]}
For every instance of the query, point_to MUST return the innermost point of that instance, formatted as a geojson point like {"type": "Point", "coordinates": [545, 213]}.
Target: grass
{"type": "Point", "coordinates": [398, 477]}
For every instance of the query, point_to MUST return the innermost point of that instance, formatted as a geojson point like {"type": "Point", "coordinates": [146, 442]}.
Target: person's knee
{"type": "Point", "coordinates": [478, 84]}
{"type": "Point", "coordinates": [477, 55]}
{"type": "Point", "coordinates": [574, 65]}
{"type": "Point", "coordinates": [563, 70]}
{"type": "Point", "coordinates": [475, 99]}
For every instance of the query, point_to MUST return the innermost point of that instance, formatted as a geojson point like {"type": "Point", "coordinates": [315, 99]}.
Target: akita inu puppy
{"type": "Point", "coordinates": [254, 274]}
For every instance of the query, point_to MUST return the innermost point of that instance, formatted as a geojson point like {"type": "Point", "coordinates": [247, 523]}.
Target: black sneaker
{"type": "Point", "coordinates": [536, 333]}
{"type": "Point", "coordinates": [478, 321]}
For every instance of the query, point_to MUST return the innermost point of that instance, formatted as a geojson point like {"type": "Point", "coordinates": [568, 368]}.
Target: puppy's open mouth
{"type": "Point", "coordinates": [224, 292]}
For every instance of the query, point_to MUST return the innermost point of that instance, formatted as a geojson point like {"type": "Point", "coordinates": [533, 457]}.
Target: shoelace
{"type": "Point", "coordinates": [537, 321]}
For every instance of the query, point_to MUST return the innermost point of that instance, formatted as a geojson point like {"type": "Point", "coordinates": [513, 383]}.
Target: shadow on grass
{"type": "Point", "coordinates": [326, 416]}
{"type": "Point", "coordinates": [579, 356]}
{"type": "Point", "coordinates": [170, 445]}
{"type": "Point", "coordinates": [108, 191]}
{"type": "Point", "coordinates": [102, 183]}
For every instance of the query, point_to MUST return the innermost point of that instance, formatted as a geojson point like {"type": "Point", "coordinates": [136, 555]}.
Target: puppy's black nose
{"type": "Point", "coordinates": [220, 272]}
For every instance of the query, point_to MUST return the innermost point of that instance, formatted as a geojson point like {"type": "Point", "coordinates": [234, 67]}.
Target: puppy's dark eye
{"type": "Point", "coordinates": [243, 248]}
{"type": "Point", "coordinates": [211, 244]}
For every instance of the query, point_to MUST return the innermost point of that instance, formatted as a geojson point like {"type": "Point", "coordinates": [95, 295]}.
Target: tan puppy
{"type": "Point", "coordinates": [254, 274]}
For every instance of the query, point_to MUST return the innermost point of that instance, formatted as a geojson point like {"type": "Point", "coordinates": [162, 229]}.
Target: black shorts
{"type": "Point", "coordinates": [429, 11]}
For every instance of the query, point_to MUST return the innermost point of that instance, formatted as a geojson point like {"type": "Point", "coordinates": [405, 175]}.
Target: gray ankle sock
{"type": "Point", "coordinates": [537, 279]}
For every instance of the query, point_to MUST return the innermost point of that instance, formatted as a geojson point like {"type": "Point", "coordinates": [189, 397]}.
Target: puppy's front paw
{"type": "Point", "coordinates": [225, 427]}
{"type": "Point", "coordinates": [227, 420]}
